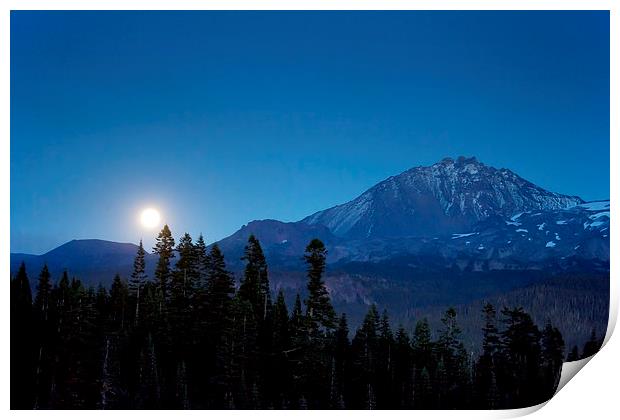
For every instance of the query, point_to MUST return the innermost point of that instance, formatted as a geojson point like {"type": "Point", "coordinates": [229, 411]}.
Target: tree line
{"type": "Point", "coordinates": [188, 338]}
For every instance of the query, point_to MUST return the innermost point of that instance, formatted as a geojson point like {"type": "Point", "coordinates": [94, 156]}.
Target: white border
{"type": "Point", "coordinates": [593, 394]}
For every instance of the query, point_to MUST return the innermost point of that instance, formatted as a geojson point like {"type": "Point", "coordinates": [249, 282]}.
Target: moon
{"type": "Point", "coordinates": [150, 218]}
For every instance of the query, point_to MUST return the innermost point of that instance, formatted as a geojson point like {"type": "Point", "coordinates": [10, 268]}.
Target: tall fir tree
{"type": "Point", "coordinates": [255, 284]}
{"type": "Point", "coordinates": [486, 383]}
{"type": "Point", "coordinates": [164, 248]}
{"type": "Point", "coordinates": [552, 357]}
{"type": "Point", "coordinates": [320, 313]}
{"type": "Point", "coordinates": [45, 339]}
{"type": "Point", "coordinates": [520, 358]}
{"type": "Point", "coordinates": [202, 261]}
{"type": "Point", "coordinates": [592, 345]}
{"type": "Point", "coordinates": [340, 371]}
{"type": "Point", "coordinates": [21, 345]}
{"type": "Point", "coordinates": [187, 269]}
{"type": "Point", "coordinates": [573, 355]}
{"type": "Point", "coordinates": [138, 279]}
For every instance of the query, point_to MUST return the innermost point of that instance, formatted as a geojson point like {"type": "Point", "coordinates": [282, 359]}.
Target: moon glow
{"type": "Point", "coordinates": [150, 218]}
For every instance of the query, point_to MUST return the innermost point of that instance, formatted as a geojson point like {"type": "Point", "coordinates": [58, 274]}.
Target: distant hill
{"type": "Point", "coordinates": [93, 261]}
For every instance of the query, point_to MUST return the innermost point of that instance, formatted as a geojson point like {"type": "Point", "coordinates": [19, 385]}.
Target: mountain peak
{"type": "Point", "coordinates": [460, 161]}
{"type": "Point", "coordinates": [448, 196]}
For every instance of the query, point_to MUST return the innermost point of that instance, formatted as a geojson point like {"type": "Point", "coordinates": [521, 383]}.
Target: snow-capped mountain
{"type": "Point", "coordinates": [455, 211]}
{"type": "Point", "coordinates": [446, 197]}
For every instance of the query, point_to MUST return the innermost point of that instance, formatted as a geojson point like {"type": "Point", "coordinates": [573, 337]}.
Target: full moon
{"type": "Point", "coordinates": [150, 218]}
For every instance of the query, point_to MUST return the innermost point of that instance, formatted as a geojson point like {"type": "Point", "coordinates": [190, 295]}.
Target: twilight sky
{"type": "Point", "coordinates": [219, 118]}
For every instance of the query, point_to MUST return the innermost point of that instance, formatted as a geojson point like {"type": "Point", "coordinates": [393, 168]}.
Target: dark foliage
{"type": "Point", "coordinates": [188, 339]}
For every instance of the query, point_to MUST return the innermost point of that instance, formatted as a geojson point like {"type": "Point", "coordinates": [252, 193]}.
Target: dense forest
{"type": "Point", "coordinates": [189, 338]}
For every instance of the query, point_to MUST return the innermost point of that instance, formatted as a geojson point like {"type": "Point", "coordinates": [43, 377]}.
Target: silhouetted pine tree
{"type": "Point", "coordinates": [486, 384]}
{"type": "Point", "coordinates": [340, 365]}
{"type": "Point", "coordinates": [138, 279]}
{"type": "Point", "coordinates": [187, 272]}
{"type": "Point", "coordinates": [365, 353]}
{"type": "Point", "coordinates": [320, 314]}
{"type": "Point", "coordinates": [203, 264]}
{"type": "Point", "coordinates": [573, 355]}
{"type": "Point", "coordinates": [221, 344]}
{"type": "Point", "coordinates": [423, 363]}
{"type": "Point", "coordinates": [552, 357]}
{"type": "Point", "coordinates": [45, 339]}
{"type": "Point", "coordinates": [403, 370]}
{"type": "Point", "coordinates": [279, 373]}
{"type": "Point", "coordinates": [254, 289]}
{"type": "Point", "coordinates": [518, 371]}
{"type": "Point", "coordinates": [22, 345]}
{"type": "Point", "coordinates": [255, 284]}
{"type": "Point", "coordinates": [182, 300]}
{"type": "Point", "coordinates": [164, 248]}
{"type": "Point", "coordinates": [320, 323]}
{"type": "Point", "coordinates": [385, 365]}
{"type": "Point", "coordinates": [592, 345]}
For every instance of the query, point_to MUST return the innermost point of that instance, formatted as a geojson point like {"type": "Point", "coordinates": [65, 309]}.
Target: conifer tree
{"type": "Point", "coordinates": [21, 299]}
{"type": "Point", "coordinates": [118, 302]}
{"type": "Point", "coordinates": [255, 284]}
{"type": "Point", "coordinates": [319, 311]}
{"type": "Point", "coordinates": [573, 355]}
{"type": "Point", "coordinates": [202, 261]}
{"type": "Point", "coordinates": [552, 357]}
{"type": "Point", "coordinates": [490, 341]}
{"type": "Point", "coordinates": [385, 364]}
{"type": "Point", "coordinates": [365, 359]}
{"type": "Point", "coordinates": [148, 394]}
{"type": "Point", "coordinates": [276, 377]}
{"type": "Point", "coordinates": [297, 355]}
{"type": "Point", "coordinates": [592, 345]}
{"type": "Point", "coordinates": [44, 290]}
{"type": "Point", "coordinates": [422, 350]}
{"type": "Point", "coordinates": [453, 356]}
{"type": "Point", "coordinates": [280, 323]}
{"type": "Point", "coordinates": [182, 293]}
{"type": "Point", "coordinates": [187, 269]}
{"type": "Point", "coordinates": [138, 278]}
{"type": "Point", "coordinates": [486, 383]}
{"type": "Point", "coordinates": [297, 322]}
{"type": "Point", "coordinates": [220, 342]}
{"type": "Point", "coordinates": [22, 346]}
{"type": "Point", "coordinates": [340, 364]}
{"type": "Point", "coordinates": [422, 345]}
{"type": "Point", "coordinates": [45, 338]}
{"type": "Point", "coordinates": [221, 284]}
{"type": "Point", "coordinates": [520, 355]}
{"type": "Point", "coordinates": [403, 369]}
{"type": "Point", "coordinates": [164, 247]}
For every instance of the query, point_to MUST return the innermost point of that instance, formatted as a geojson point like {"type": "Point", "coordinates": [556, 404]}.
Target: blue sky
{"type": "Point", "coordinates": [219, 118]}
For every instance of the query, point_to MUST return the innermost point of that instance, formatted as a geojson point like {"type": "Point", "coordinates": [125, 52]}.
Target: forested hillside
{"type": "Point", "coordinates": [188, 338]}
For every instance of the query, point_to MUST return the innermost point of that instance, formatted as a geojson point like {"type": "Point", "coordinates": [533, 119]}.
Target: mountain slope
{"type": "Point", "coordinates": [93, 261]}
{"type": "Point", "coordinates": [446, 197]}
